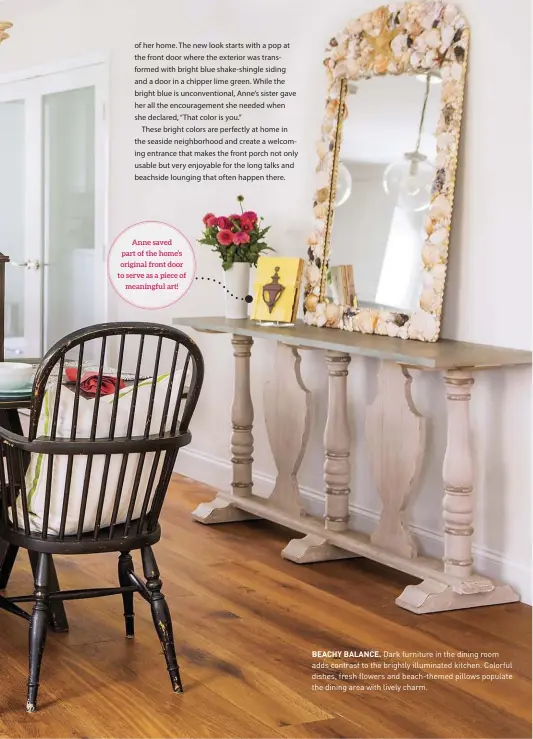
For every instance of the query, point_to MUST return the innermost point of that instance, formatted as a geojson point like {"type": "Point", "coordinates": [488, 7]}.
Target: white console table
{"type": "Point", "coordinates": [395, 435]}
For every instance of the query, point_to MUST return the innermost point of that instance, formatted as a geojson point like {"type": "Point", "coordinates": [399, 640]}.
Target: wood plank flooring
{"type": "Point", "coordinates": [245, 624]}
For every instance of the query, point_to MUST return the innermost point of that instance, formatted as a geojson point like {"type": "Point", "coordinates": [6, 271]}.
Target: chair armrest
{"type": "Point", "coordinates": [136, 445]}
{"type": "Point", "coordinates": [13, 439]}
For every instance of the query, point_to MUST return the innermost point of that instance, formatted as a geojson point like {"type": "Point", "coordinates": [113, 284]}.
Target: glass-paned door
{"type": "Point", "coordinates": [52, 206]}
{"type": "Point", "coordinates": [12, 217]}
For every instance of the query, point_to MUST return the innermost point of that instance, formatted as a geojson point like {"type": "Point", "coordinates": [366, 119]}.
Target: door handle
{"type": "Point", "coordinates": [29, 264]}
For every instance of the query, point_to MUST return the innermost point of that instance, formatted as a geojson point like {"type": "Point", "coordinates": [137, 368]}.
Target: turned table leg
{"type": "Point", "coordinates": [337, 444]}
{"type": "Point", "coordinates": [221, 510]}
{"type": "Point", "coordinates": [337, 441]}
{"type": "Point", "coordinates": [458, 474]}
{"type": "Point", "coordinates": [461, 587]}
{"type": "Point", "coordinates": [242, 419]}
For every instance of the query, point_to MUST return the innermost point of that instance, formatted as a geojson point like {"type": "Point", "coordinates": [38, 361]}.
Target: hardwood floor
{"type": "Point", "coordinates": [246, 623]}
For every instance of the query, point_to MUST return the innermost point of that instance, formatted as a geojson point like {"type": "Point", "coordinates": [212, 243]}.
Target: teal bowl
{"type": "Point", "coordinates": [15, 375]}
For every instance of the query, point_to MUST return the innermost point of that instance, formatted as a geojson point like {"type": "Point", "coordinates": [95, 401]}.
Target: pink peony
{"type": "Point", "coordinates": [249, 215]}
{"type": "Point", "coordinates": [224, 222]}
{"type": "Point", "coordinates": [241, 237]}
{"type": "Point", "coordinates": [208, 219]}
{"type": "Point", "coordinates": [225, 237]}
{"type": "Point", "coordinates": [247, 224]}
{"type": "Point", "coordinates": [211, 222]}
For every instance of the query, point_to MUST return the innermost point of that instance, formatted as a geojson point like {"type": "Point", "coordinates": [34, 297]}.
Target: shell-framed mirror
{"type": "Point", "coordinates": [388, 157]}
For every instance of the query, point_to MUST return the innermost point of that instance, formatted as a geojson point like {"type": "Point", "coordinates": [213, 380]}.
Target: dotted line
{"type": "Point", "coordinates": [247, 299]}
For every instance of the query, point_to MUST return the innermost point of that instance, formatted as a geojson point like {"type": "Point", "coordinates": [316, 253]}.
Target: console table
{"type": "Point", "coordinates": [395, 438]}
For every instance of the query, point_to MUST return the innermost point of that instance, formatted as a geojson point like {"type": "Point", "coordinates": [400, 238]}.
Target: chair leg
{"type": "Point", "coordinates": [161, 616]}
{"type": "Point", "coordinates": [125, 565]}
{"type": "Point", "coordinates": [58, 616]}
{"type": "Point", "coordinates": [38, 626]}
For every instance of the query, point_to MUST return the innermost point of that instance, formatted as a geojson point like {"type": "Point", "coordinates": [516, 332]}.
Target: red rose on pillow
{"type": "Point", "coordinates": [89, 382]}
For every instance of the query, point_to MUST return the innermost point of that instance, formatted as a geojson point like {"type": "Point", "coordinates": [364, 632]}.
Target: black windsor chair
{"type": "Point", "coordinates": [149, 455]}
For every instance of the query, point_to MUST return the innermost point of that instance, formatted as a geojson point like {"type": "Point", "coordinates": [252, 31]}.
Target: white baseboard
{"type": "Point", "coordinates": [216, 472]}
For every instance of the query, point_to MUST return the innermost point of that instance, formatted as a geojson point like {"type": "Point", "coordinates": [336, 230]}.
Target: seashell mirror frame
{"type": "Point", "coordinates": [383, 42]}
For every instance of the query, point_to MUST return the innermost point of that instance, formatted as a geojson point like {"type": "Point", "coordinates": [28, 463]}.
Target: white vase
{"type": "Point", "coordinates": [237, 280]}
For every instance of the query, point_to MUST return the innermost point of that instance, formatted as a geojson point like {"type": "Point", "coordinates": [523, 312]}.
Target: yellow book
{"type": "Point", "coordinates": [277, 289]}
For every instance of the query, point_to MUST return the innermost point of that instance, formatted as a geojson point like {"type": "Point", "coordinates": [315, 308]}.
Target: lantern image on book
{"type": "Point", "coordinates": [273, 291]}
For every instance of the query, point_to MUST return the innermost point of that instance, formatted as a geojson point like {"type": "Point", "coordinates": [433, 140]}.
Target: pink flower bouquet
{"type": "Point", "coordinates": [236, 238]}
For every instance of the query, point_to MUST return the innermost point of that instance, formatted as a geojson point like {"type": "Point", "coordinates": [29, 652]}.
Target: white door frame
{"type": "Point", "coordinates": [31, 85]}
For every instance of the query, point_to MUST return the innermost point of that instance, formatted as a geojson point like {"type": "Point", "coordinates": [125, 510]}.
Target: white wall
{"type": "Point", "coordinates": [489, 277]}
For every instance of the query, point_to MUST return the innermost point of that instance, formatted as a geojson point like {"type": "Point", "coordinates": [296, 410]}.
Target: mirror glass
{"type": "Point", "coordinates": [386, 175]}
